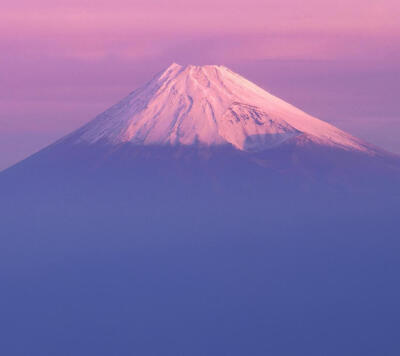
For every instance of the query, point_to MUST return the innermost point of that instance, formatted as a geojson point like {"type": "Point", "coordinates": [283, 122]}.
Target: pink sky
{"type": "Point", "coordinates": [65, 61]}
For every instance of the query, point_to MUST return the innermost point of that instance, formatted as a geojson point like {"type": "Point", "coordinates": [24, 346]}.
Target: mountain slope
{"type": "Point", "coordinates": [209, 105]}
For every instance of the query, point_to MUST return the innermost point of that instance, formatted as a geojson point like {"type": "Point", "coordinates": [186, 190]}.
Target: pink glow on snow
{"type": "Point", "coordinates": [208, 105]}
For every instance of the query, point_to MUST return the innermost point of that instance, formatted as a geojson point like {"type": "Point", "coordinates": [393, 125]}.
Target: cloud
{"type": "Point", "coordinates": [206, 16]}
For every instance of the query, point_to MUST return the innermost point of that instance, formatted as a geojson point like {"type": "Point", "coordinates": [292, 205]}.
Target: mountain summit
{"type": "Point", "coordinates": [210, 106]}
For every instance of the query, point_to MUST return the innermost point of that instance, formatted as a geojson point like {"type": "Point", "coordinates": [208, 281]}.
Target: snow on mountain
{"type": "Point", "coordinates": [209, 105]}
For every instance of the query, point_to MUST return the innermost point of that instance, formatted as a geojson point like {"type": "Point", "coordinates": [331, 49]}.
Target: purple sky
{"type": "Point", "coordinates": [62, 62]}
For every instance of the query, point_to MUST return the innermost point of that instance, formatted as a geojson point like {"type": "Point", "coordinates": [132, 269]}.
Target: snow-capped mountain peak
{"type": "Point", "coordinates": [208, 105]}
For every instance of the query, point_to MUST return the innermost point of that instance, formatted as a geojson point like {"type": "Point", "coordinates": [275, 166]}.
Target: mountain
{"type": "Point", "coordinates": [215, 114]}
{"type": "Point", "coordinates": [201, 215]}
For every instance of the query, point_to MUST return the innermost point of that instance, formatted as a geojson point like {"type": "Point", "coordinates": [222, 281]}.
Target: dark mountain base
{"type": "Point", "coordinates": [198, 252]}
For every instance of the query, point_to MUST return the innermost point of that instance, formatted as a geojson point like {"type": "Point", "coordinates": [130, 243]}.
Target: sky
{"type": "Point", "coordinates": [63, 62]}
